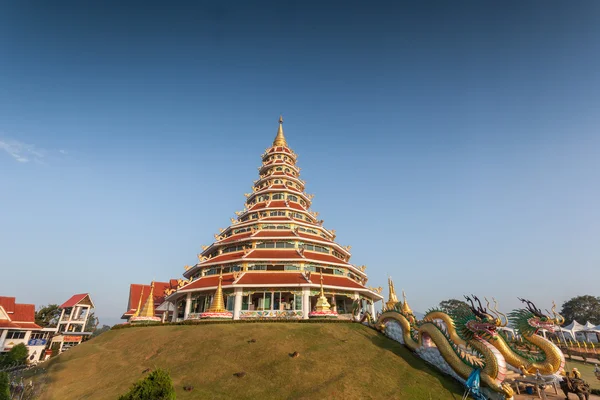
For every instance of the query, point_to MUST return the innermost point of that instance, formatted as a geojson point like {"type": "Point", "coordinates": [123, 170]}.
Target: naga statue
{"type": "Point", "coordinates": [458, 343]}
{"type": "Point", "coordinates": [544, 356]}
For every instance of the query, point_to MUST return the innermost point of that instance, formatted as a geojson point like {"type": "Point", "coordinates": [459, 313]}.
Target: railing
{"type": "Point", "coordinates": [284, 314]}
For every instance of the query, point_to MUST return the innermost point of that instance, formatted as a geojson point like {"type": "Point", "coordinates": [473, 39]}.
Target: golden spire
{"type": "Point", "coordinates": [322, 303]}
{"type": "Point", "coordinates": [148, 309]}
{"type": "Point", "coordinates": [217, 304]}
{"type": "Point", "coordinates": [280, 139]}
{"type": "Point", "coordinates": [393, 299]}
{"type": "Point", "coordinates": [405, 307]}
{"type": "Point", "coordinates": [138, 309]}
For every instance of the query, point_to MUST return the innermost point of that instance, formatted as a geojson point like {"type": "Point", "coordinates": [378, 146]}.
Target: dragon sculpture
{"type": "Point", "coordinates": [462, 339]}
{"type": "Point", "coordinates": [544, 356]}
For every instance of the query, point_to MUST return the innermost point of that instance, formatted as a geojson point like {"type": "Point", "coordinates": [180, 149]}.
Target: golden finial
{"type": "Point", "coordinates": [405, 307]}
{"type": "Point", "coordinates": [280, 139]}
{"type": "Point", "coordinates": [137, 310]}
{"type": "Point", "coordinates": [217, 304]}
{"type": "Point", "coordinates": [393, 299]}
{"type": "Point", "coordinates": [148, 309]}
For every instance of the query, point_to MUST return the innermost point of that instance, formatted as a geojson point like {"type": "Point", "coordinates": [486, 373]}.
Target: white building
{"type": "Point", "coordinates": [17, 325]}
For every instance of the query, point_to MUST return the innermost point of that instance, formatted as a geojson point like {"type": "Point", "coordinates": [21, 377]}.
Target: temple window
{"type": "Point", "coordinates": [257, 268]}
{"type": "Point", "coordinates": [279, 156]}
{"type": "Point", "coordinates": [284, 245]}
{"type": "Point", "coordinates": [279, 169]}
{"type": "Point", "coordinates": [311, 268]}
{"type": "Point", "coordinates": [292, 198]}
{"type": "Point", "coordinates": [292, 268]}
{"type": "Point", "coordinates": [278, 196]}
{"type": "Point", "coordinates": [236, 248]}
{"type": "Point", "coordinates": [264, 197]}
{"type": "Point", "coordinates": [303, 203]}
{"type": "Point", "coordinates": [339, 255]}
{"type": "Point", "coordinates": [318, 248]}
{"type": "Point", "coordinates": [267, 301]}
{"type": "Point", "coordinates": [338, 271]}
{"type": "Point", "coordinates": [254, 216]}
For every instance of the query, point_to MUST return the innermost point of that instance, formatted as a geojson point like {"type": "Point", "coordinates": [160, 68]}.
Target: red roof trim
{"type": "Point", "coordinates": [73, 300]}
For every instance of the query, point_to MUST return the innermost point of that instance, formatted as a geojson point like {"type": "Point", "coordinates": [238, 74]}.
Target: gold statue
{"type": "Point", "coordinates": [322, 303]}
{"type": "Point", "coordinates": [392, 300]}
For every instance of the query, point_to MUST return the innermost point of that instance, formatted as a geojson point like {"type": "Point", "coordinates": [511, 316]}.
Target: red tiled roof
{"type": "Point", "coordinates": [19, 325]}
{"type": "Point", "coordinates": [296, 206]}
{"type": "Point", "coordinates": [279, 149]}
{"type": "Point", "coordinates": [342, 281]}
{"type": "Point", "coordinates": [236, 237]}
{"type": "Point", "coordinates": [271, 278]}
{"type": "Point", "coordinates": [225, 257]}
{"type": "Point", "coordinates": [76, 298]}
{"type": "Point", "coordinates": [23, 313]}
{"type": "Point", "coordinates": [8, 303]}
{"type": "Point", "coordinates": [323, 257]}
{"type": "Point", "coordinates": [277, 203]}
{"type": "Point", "coordinates": [209, 281]}
{"type": "Point", "coordinates": [135, 290]}
{"type": "Point", "coordinates": [20, 315]}
{"type": "Point", "coordinates": [305, 235]}
{"type": "Point", "coordinates": [275, 254]}
{"type": "Point", "coordinates": [262, 204]}
{"type": "Point", "coordinates": [273, 233]}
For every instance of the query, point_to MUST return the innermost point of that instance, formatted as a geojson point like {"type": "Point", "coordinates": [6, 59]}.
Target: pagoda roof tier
{"type": "Point", "coordinates": [279, 149]}
{"type": "Point", "coordinates": [273, 280]}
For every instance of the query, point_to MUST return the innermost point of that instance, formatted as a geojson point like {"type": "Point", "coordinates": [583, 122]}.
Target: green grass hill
{"type": "Point", "coordinates": [341, 361]}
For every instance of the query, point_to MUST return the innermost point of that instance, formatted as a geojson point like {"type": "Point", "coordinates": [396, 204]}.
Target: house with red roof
{"type": "Point", "coordinates": [71, 329]}
{"type": "Point", "coordinates": [17, 325]}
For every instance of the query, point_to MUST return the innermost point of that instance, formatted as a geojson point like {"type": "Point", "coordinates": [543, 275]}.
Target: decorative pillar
{"type": "Point", "coordinates": [356, 299]}
{"type": "Point", "coordinates": [237, 304]}
{"type": "Point", "coordinates": [372, 308]}
{"type": "Point", "coordinates": [305, 302]}
{"type": "Point", "coordinates": [174, 316]}
{"type": "Point", "coordinates": [188, 305]}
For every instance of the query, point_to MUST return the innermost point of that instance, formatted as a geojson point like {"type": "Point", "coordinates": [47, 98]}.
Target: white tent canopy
{"type": "Point", "coordinates": [589, 331]}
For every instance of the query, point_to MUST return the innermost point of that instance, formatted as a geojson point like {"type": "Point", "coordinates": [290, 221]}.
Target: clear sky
{"type": "Point", "coordinates": [454, 145]}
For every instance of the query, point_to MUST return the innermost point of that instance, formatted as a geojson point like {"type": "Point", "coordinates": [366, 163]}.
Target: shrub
{"type": "Point", "coordinates": [595, 391]}
{"type": "Point", "coordinates": [156, 386]}
{"type": "Point", "coordinates": [4, 386]}
{"type": "Point", "coordinates": [16, 355]}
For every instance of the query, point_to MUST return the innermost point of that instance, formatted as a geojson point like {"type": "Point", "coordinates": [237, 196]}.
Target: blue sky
{"type": "Point", "coordinates": [453, 145]}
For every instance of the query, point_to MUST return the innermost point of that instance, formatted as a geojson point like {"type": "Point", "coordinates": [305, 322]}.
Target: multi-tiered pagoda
{"type": "Point", "coordinates": [276, 260]}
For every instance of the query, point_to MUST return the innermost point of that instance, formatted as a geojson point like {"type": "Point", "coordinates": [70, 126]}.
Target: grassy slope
{"type": "Point", "coordinates": [346, 361]}
{"type": "Point", "coordinates": [587, 372]}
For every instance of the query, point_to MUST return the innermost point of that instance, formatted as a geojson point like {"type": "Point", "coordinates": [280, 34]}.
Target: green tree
{"type": "Point", "coordinates": [98, 331]}
{"type": "Point", "coordinates": [4, 386]}
{"type": "Point", "coordinates": [451, 305]}
{"type": "Point", "coordinates": [91, 323]}
{"type": "Point", "coordinates": [17, 355]}
{"type": "Point", "coordinates": [582, 309]}
{"type": "Point", "coordinates": [156, 386]}
{"type": "Point", "coordinates": [48, 315]}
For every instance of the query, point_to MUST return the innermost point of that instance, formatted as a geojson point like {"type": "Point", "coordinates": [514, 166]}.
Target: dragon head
{"type": "Point", "coordinates": [531, 319]}
{"type": "Point", "coordinates": [476, 321]}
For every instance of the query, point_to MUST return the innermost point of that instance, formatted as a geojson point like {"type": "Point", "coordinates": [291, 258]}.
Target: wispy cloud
{"type": "Point", "coordinates": [22, 152]}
